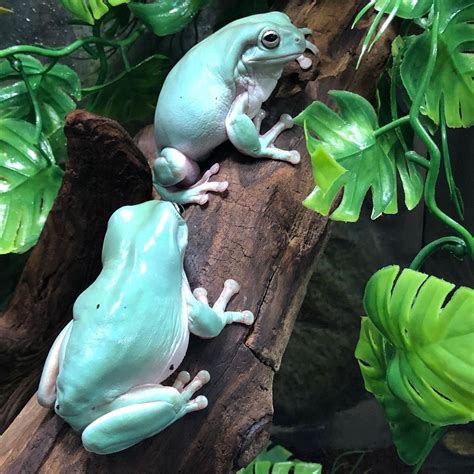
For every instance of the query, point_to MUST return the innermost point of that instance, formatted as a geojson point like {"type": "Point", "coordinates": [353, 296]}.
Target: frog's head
{"type": "Point", "coordinates": [151, 227]}
{"type": "Point", "coordinates": [277, 41]}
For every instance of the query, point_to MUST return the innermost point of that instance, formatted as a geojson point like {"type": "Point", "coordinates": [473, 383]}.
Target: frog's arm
{"type": "Point", "coordinates": [208, 322]}
{"type": "Point", "coordinates": [243, 133]}
{"type": "Point", "coordinates": [47, 385]}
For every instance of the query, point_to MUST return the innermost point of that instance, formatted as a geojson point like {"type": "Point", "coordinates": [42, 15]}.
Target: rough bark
{"type": "Point", "coordinates": [258, 234]}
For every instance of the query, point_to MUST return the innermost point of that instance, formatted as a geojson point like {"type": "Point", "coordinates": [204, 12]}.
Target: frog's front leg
{"type": "Point", "coordinates": [144, 412]}
{"type": "Point", "coordinates": [244, 134]}
{"type": "Point", "coordinates": [172, 167]}
{"type": "Point", "coordinates": [208, 322]}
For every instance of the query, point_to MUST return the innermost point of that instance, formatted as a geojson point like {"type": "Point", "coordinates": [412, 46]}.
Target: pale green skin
{"type": "Point", "coordinates": [130, 331]}
{"type": "Point", "coordinates": [214, 93]}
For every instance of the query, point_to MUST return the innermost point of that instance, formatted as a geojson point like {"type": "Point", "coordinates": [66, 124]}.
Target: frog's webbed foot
{"type": "Point", "coordinates": [198, 193]}
{"type": "Point", "coordinates": [206, 322]}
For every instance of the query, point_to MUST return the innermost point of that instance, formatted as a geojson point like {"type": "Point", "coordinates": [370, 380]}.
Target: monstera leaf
{"type": "Point", "coordinates": [133, 95]}
{"type": "Point", "coordinates": [29, 182]}
{"type": "Point", "coordinates": [408, 9]}
{"type": "Point", "coordinates": [165, 17]}
{"type": "Point", "coordinates": [90, 10]}
{"type": "Point", "coordinates": [277, 460]}
{"type": "Point", "coordinates": [55, 92]}
{"type": "Point", "coordinates": [348, 155]}
{"type": "Point", "coordinates": [431, 367]}
{"type": "Point", "coordinates": [452, 79]}
{"type": "Point", "coordinates": [412, 437]}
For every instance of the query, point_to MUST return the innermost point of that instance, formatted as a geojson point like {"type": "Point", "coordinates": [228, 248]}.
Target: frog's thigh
{"type": "Point", "coordinates": [47, 386]}
{"type": "Point", "coordinates": [243, 134]}
{"type": "Point", "coordinates": [172, 167]}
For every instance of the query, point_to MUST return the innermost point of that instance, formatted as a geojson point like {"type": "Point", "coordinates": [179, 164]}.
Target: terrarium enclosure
{"type": "Point", "coordinates": [350, 235]}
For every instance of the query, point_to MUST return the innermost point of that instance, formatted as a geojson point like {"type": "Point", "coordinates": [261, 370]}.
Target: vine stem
{"type": "Point", "coordinates": [17, 65]}
{"type": "Point", "coordinates": [390, 126]}
{"type": "Point", "coordinates": [75, 45]}
{"type": "Point", "coordinates": [455, 245]}
{"type": "Point", "coordinates": [435, 153]}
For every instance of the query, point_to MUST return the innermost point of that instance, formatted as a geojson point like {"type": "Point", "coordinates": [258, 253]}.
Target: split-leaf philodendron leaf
{"type": "Point", "coordinates": [347, 154]}
{"type": "Point", "coordinates": [55, 92]}
{"type": "Point", "coordinates": [165, 17]}
{"type": "Point", "coordinates": [277, 460]}
{"type": "Point", "coordinates": [431, 332]}
{"type": "Point", "coordinates": [90, 10]}
{"type": "Point", "coordinates": [412, 437]}
{"type": "Point", "coordinates": [133, 95]}
{"type": "Point", "coordinates": [29, 182]}
{"type": "Point", "coordinates": [452, 79]}
{"type": "Point", "coordinates": [408, 9]}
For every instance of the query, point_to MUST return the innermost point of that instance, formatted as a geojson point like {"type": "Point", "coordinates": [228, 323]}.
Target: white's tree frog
{"type": "Point", "coordinates": [214, 93]}
{"type": "Point", "coordinates": [130, 332]}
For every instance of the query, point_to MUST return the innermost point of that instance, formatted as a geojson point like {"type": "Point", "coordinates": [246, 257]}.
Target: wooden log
{"type": "Point", "coordinates": [260, 235]}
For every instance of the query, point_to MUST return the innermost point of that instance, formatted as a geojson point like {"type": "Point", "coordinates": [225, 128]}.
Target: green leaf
{"type": "Point", "coordinates": [408, 9]}
{"type": "Point", "coordinates": [453, 73]}
{"type": "Point", "coordinates": [412, 437]}
{"type": "Point", "coordinates": [165, 17]}
{"type": "Point", "coordinates": [55, 93]}
{"type": "Point", "coordinates": [90, 10]}
{"type": "Point", "coordinates": [133, 95]}
{"type": "Point", "coordinates": [432, 365]}
{"type": "Point", "coordinates": [29, 182]}
{"type": "Point", "coordinates": [276, 461]}
{"type": "Point", "coordinates": [4, 10]}
{"type": "Point", "coordinates": [353, 158]}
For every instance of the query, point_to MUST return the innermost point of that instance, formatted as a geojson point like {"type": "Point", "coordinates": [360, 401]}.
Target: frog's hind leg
{"type": "Point", "coordinates": [173, 168]}
{"type": "Point", "coordinates": [47, 386]}
{"type": "Point", "coordinates": [143, 412]}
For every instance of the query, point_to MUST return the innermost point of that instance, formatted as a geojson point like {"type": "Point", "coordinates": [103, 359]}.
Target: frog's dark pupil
{"type": "Point", "coordinates": [271, 37]}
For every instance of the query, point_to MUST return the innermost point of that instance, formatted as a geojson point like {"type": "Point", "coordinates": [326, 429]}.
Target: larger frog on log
{"type": "Point", "coordinates": [130, 332]}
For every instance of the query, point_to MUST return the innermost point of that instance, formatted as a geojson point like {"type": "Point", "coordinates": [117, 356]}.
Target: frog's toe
{"type": "Point", "coordinates": [182, 379]}
{"type": "Point", "coordinates": [248, 318]}
{"type": "Point", "coordinates": [287, 121]}
{"type": "Point", "coordinates": [199, 403]}
{"type": "Point", "coordinates": [295, 157]}
{"type": "Point", "coordinates": [201, 379]}
{"type": "Point", "coordinates": [201, 295]}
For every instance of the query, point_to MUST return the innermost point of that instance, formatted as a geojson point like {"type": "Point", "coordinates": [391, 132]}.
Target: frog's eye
{"type": "Point", "coordinates": [270, 39]}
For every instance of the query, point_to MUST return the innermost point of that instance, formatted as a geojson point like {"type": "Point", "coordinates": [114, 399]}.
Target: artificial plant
{"type": "Point", "coordinates": [415, 346]}
{"type": "Point", "coordinates": [35, 97]}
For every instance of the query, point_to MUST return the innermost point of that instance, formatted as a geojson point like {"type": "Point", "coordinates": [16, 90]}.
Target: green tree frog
{"type": "Point", "coordinates": [214, 93]}
{"type": "Point", "coordinates": [130, 332]}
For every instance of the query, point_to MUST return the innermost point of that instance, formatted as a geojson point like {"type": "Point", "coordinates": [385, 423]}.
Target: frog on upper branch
{"type": "Point", "coordinates": [214, 93]}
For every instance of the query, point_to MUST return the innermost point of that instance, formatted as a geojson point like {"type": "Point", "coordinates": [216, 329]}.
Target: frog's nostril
{"type": "Point", "coordinates": [298, 39]}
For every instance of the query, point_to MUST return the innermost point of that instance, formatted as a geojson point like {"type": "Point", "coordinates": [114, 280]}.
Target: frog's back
{"type": "Point", "coordinates": [124, 322]}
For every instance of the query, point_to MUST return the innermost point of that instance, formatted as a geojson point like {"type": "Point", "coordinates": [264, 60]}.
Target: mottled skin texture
{"type": "Point", "coordinates": [130, 332]}
{"type": "Point", "coordinates": [214, 93]}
